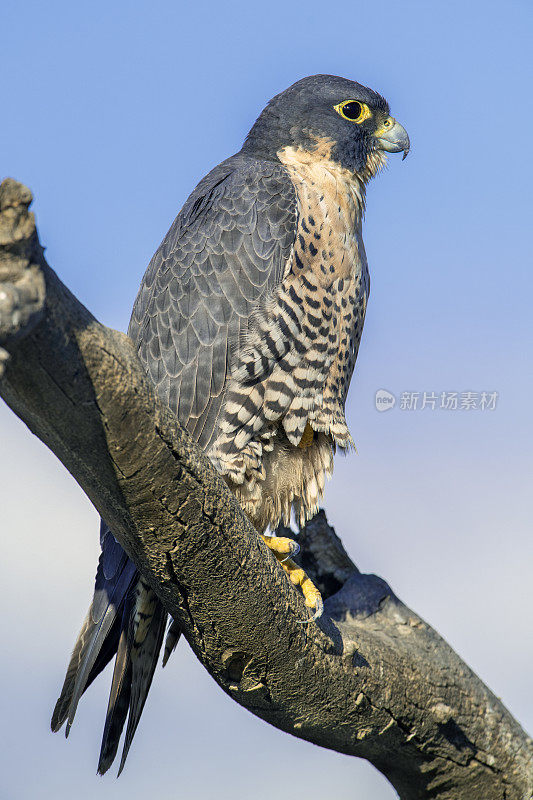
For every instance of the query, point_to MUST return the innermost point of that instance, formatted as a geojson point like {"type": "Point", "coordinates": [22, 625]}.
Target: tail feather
{"type": "Point", "coordinates": [138, 651]}
{"type": "Point", "coordinates": [96, 644]}
{"type": "Point", "coordinates": [173, 637]}
{"type": "Point", "coordinates": [126, 619]}
{"type": "Point", "coordinates": [143, 663]}
{"type": "Point", "coordinates": [99, 634]}
{"type": "Point", "coordinates": [62, 706]}
{"type": "Point", "coordinates": [119, 700]}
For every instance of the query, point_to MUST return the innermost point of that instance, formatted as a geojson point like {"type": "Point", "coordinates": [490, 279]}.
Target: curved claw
{"type": "Point", "coordinates": [296, 549]}
{"type": "Point", "coordinates": [319, 610]}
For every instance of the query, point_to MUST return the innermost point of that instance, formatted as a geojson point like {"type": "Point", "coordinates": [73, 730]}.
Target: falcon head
{"type": "Point", "coordinates": [330, 117]}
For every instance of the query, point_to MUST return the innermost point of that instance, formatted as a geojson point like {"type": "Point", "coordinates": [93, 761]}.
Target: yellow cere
{"type": "Point", "coordinates": [384, 127]}
{"type": "Point", "coordinates": [347, 108]}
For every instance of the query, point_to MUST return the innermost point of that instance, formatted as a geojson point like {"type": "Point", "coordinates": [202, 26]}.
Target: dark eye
{"type": "Point", "coordinates": [353, 110]}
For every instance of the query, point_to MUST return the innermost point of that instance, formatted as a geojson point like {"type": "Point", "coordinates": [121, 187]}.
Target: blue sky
{"type": "Point", "coordinates": [111, 113]}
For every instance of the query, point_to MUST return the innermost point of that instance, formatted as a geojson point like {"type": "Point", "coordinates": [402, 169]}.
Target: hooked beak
{"type": "Point", "coordinates": [392, 137]}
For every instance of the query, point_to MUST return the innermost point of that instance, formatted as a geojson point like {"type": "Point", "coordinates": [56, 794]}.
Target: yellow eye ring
{"type": "Point", "coordinates": [353, 111]}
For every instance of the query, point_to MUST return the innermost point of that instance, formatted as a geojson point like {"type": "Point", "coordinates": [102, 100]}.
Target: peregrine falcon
{"type": "Point", "coordinates": [248, 323]}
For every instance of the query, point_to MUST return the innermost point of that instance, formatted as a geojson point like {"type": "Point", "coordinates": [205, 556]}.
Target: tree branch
{"type": "Point", "coordinates": [370, 679]}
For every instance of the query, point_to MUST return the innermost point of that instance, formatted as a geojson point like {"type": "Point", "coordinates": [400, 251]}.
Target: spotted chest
{"type": "Point", "coordinates": [292, 372]}
{"type": "Point", "coordinates": [330, 261]}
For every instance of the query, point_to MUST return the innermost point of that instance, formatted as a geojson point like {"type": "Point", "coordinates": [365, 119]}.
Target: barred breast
{"type": "Point", "coordinates": [284, 408]}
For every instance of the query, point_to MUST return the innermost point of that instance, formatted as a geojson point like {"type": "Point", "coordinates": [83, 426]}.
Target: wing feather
{"type": "Point", "coordinates": [224, 254]}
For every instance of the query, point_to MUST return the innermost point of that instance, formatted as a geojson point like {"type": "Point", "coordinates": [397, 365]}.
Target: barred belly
{"type": "Point", "coordinates": [283, 413]}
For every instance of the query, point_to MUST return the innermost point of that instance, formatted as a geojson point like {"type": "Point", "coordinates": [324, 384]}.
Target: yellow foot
{"type": "Point", "coordinates": [283, 548]}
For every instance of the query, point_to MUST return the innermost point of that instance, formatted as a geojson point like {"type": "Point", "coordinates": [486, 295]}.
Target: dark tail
{"type": "Point", "coordinates": [126, 619]}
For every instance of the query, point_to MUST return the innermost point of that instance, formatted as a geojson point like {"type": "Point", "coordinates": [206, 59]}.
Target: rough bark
{"type": "Point", "coordinates": [369, 679]}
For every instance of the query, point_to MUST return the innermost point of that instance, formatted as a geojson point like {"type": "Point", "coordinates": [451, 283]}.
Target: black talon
{"type": "Point", "coordinates": [294, 552]}
{"type": "Point", "coordinates": [318, 613]}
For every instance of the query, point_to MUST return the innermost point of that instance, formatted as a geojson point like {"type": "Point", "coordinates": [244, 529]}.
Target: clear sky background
{"type": "Point", "coordinates": [111, 112]}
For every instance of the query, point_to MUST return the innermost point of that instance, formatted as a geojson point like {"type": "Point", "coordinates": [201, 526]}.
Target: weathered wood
{"type": "Point", "coordinates": [370, 679]}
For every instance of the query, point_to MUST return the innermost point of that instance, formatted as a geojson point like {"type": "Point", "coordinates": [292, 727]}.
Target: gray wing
{"type": "Point", "coordinates": [223, 255]}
